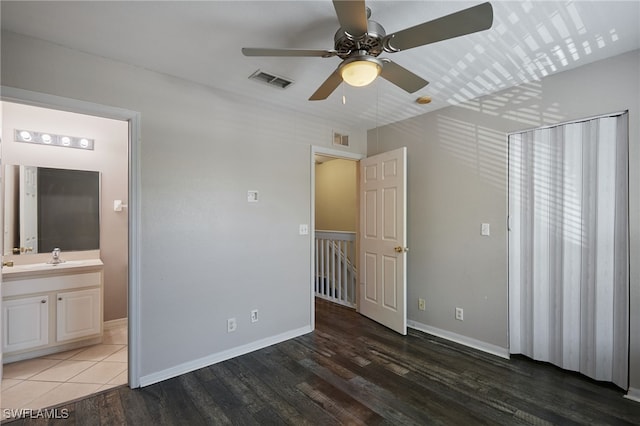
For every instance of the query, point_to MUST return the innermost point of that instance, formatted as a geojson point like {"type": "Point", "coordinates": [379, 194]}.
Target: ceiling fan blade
{"type": "Point", "coordinates": [467, 21]}
{"type": "Point", "coordinates": [327, 88]}
{"type": "Point", "coordinates": [352, 15]}
{"type": "Point", "coordinates": [402, 77]}
{"type": "Point", "coordinates": [258, 51]}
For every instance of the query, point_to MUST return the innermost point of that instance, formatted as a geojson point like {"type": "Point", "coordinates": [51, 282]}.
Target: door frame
{"type": "Point", "coordinates": [329, 152]}
{"type": "Point", "coordinates": [21, 96]}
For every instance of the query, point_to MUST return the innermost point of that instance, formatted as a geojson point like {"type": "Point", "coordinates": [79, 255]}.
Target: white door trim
{"type": "Point", "coordinates": [319, 150]}
{"type": "Point", "coordinates": [21, 96]}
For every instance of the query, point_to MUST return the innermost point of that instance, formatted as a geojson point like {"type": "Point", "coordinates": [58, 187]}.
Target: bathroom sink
{"type": "Point", "coordinates": [37, 266]}
{"type": "Point", "coordinates": [50, 266]}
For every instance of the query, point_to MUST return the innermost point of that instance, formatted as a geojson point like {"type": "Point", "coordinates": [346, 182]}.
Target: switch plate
{"type": "Point", "coordinates": [422, 304]}
{"type": "Point", "coordinates": [252, 196]}
{"type": "Point", "coordinates": [485, 229]}
{"type": "Point", "coordinates": [254, 315]}
{"type": "Point", "coordinates": [304, 229]}
{"type": "Point", "coordinates": [232, 325]}
{"type": "Point", "coordinates": [460, 314]}
{"type": "Point", "coordinates": [117, 205]}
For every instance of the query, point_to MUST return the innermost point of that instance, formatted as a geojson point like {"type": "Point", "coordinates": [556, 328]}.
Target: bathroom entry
{"type": "Point", "coordinates": [53, 149]}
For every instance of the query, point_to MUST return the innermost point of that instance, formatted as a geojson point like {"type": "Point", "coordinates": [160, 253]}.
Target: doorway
{"type": "Point", "coordinates": [380, 242]}
{"type": "Point", "coordinates": [334, 225]}
{"type": "Point", "coordinates": [121, 322]}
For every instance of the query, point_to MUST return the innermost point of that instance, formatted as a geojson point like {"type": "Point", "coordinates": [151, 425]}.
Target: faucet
{"type": "Point", "coordinates": [55, 257]}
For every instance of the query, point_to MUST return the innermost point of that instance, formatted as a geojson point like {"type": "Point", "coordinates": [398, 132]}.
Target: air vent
{"type": "Point", "coordinates": [270, 79]}
{"type": "Point", "coordinates": [340, 139]}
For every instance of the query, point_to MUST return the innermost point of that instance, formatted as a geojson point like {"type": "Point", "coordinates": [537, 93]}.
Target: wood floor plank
{"type": "Point", "coordinates": [353, 371]}
{"type": "Point", "coordinates": [207, 405]}
{"type": "Point", "coordinates": [134, 405]}
{"type": "Point", "coordinates": [285, 383]}
{"type": "Point", "coordinates": [241, 400]}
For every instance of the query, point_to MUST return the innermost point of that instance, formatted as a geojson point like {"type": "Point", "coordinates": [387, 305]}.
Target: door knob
{"type": "Point", "coordinates": [401, 249]}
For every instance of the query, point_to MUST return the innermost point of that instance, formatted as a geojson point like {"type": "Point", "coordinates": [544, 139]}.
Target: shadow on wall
{"type": "Point", "coordinates": [481, 148]}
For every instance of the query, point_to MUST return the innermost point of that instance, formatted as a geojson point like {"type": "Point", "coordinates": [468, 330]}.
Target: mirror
{"type": "Point", "coordinates": [47, 208]}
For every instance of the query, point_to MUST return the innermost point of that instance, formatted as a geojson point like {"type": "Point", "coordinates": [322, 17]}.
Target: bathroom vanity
{"type": "Point", "coordinates": [51, 308]}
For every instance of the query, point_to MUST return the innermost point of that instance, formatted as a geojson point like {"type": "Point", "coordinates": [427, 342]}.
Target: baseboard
{"type": "Point", "coordinates": [633, 394]}
{"type": "Point", "coordinates": [458, 338]}
{"type": "Point", "coordinates": [120, 322]}
{"type": "Point", "coordinates": [196, 364]}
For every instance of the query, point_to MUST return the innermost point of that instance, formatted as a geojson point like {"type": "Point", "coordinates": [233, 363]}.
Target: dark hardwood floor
{"type": "Point", "coordinates": [354, 371]}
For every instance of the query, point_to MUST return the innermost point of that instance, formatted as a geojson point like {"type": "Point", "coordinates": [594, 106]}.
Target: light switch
{"type": "Point", "coordinates": [118, 206]}
{"type": "Point", "coordinates": [252, 196]}
{"type": "Point", "coordinates": [304, 229]}
{"type": "Point", "coordinates": [485, 229]}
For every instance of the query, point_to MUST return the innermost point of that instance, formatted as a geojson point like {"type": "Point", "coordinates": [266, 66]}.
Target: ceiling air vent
{"type": "Point", "coordinates": [340, 139]}
{"type": "Point", "coordinates": [270, 79]}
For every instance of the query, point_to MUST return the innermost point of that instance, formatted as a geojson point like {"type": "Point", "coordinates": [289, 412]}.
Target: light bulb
{"type": "Point", "coordinates": [66, 140]}
{"type": "Point", "coordinates": [46, 138]}
{"type": "Point", "coordinates": [26, 136]}
{"type": "Point", "coordinates": [84, 143]}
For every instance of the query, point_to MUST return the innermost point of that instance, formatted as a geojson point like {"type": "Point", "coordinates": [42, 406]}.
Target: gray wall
{"type": "Point", "coordinates": [207, 254]}
{"type": "Point", "coordinates": [457, 179]}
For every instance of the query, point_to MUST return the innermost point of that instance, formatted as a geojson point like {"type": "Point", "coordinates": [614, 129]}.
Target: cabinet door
{"type": "Point", "coordinates": [79, 314]}
{"type": "Point", "coordinates": [25, 323]}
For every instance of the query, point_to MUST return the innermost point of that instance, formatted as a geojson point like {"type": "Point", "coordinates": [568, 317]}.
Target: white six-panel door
{"type": "Point", "coordinates": [383, 258]}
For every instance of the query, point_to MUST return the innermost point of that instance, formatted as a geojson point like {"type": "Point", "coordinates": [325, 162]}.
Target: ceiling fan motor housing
{"type": "Point", "coordinates": [371, 42]}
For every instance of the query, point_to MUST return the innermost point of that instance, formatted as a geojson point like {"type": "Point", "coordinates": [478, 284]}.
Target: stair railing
{"type": "Point", "coordinates": [335, 271]}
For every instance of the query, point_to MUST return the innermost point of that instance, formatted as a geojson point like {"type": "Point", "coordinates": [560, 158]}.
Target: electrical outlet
{"type": "Point", "coordinates": [254, 315]}
{"type": "Point", "coordinates": [422, 304]}
{"type": "Point", "coordinates": [231, 325]}
{"type": "Point", "coordinates": [460, 314]}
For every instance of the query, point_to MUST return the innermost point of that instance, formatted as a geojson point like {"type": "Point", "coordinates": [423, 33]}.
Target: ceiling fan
{"type": "Point", "coordinates": [359, 41]}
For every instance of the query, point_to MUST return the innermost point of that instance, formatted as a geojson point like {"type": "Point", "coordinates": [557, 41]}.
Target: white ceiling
{"type": "Point", "coordinates": [201, 41]}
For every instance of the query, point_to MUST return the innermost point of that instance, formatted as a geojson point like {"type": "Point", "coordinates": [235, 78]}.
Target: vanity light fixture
{"type": "Point", "coordinates": [30, 136]}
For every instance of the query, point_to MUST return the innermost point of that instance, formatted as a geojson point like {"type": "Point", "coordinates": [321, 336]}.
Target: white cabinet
{"type": "Point", "coordinates": [25, 323]}
{"type": "Point", "coordinates": [47, 309]}
{"type": "Point", "coordinates": [78, 314]}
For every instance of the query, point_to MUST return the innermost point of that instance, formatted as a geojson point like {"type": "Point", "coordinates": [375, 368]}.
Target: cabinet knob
{"type": "Point", "coordinates": [59, 298]}
{"type": "Point", "coordinates": [43, 301]}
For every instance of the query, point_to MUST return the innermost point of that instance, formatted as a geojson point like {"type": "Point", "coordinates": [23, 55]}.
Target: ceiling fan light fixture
{"type": "Point", "coordinates": [361, 71]}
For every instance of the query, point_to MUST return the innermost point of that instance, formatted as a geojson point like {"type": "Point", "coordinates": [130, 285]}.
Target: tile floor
{"type": "Point", "coordinates": [53, 379]}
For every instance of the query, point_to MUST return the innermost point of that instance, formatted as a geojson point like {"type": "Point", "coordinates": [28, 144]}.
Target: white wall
{"type": "Point", "coordinates": [109, 157]}
{"type": "Point", "coordinates": [457, 179]}
{"type": "Point", "coordinates": [207, 254]}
